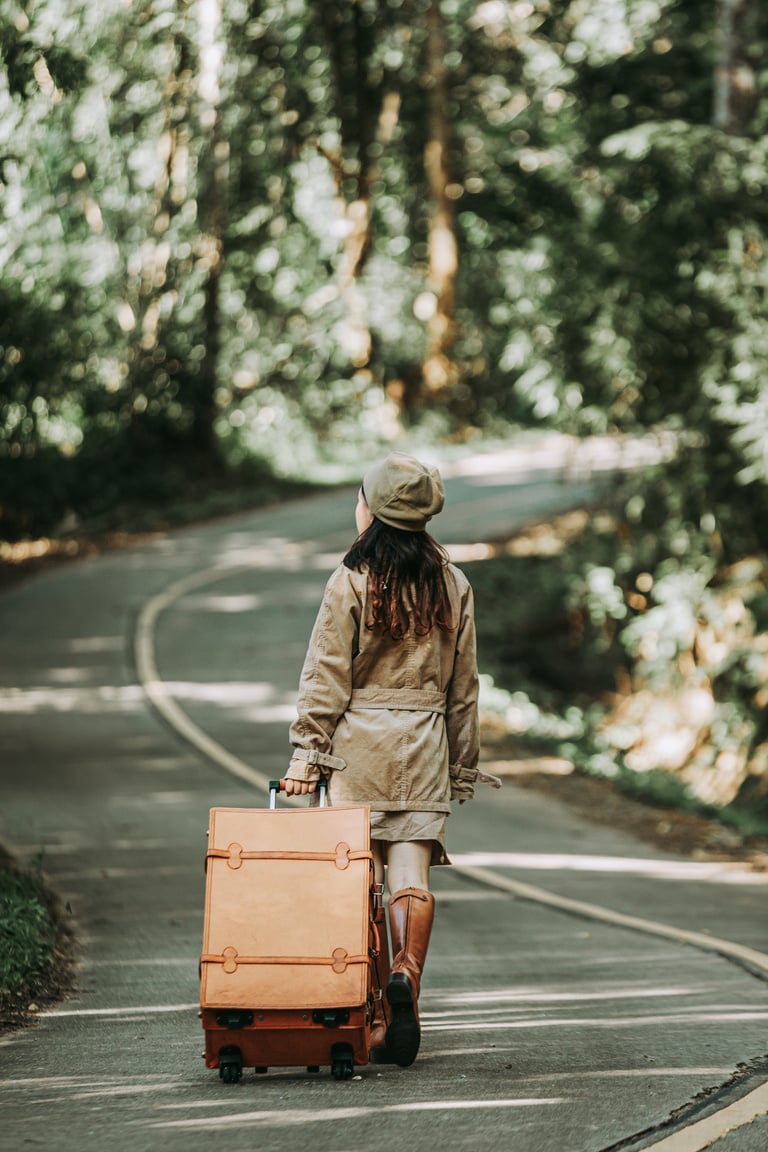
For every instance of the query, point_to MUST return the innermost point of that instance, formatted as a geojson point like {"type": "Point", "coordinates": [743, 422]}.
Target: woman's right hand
{"type": "Point", "coordinates": [298, 787]}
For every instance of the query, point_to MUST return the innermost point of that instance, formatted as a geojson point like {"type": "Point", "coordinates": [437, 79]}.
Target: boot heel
{"type": "Point", "coordinates": [399, 991]}
{"type": "Point", "coordinates": [404, 1033]}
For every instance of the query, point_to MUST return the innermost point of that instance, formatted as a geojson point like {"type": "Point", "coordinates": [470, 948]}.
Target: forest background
{"type": "Point", "coordinates": [250, 242]}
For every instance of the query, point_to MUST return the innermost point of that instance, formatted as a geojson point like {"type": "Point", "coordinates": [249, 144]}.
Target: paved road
{"type": "Point", "coordinates": [546, 1029]}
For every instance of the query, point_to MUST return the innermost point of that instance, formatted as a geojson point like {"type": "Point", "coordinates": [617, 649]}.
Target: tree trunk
{"type": "Point", "coordinates": [438, 304]}
{"type": "Point", "coordinates": [350, 41]}
{"type": "Point", "coordinates": [212, 192]}
{"type": "Point", "coordinates": [736, 83]}
{"type": "Point", "coordinates": [151, 269]}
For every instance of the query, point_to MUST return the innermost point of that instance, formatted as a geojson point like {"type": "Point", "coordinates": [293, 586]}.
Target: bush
{"type": "Point", "coordinates": [640, 657]}
{"type": "Point", "coordinates": [27, 935]}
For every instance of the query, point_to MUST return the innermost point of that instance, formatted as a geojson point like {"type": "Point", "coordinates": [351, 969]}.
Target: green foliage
{"type": "Point", "coordinates": [177, 197]}
{"type": "Point", "coordinates": [530, 642]}
{"type": "Point", "coordinates": [26, 931]}
{"type": "Point", "coordinates": [659, 655]}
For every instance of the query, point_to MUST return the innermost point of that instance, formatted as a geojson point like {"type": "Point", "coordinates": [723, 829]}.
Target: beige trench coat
{"type": "Point", "coordinates": [400, 714]}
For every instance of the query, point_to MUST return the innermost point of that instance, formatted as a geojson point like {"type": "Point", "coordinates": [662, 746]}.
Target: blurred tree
{"type": "Point", "coordinates": [349, 33]}
{"type": "Point", "coordinates": [736, 75]}
{"type": "Point", "coordinates": [250, 227]}
{"type": "Point", "coordinates": [438, 304]}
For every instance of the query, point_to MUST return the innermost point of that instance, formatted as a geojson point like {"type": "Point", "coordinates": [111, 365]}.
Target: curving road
{"type": "Point", "coordinates": [584, 993]}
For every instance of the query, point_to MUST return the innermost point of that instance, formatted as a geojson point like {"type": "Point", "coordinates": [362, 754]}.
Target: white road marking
{"type": "Point", "coordinates": [300, 1116]}
{"type": "Point", "coordinates": [156, 689]}
{"type": "Point", "coordinates": [727, 948]}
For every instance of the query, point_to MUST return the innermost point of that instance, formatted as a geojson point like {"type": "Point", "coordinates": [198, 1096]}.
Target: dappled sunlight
{"type": "Point", "coordinates": [246, 602]}
{"type": "Point", "coordinates": [467, 897]}
{"type": "Point", "coordinates": [326, 561]}
{"type": "Point", "coordinates": [578, 1074]}
{"type": "Point", "coordinates": [60, 1090]}
{"type": "Point", "coordinates": [47, 698]}
{"type": "Point", "coordinates": [160, 799]}
{"type": "Point", "coordinates": [253, 705]}
{"type": "Point", "coordinates": [545, 539]}
{"type": "Point", "coordinates": [70, 675]}
{"type": "Point", "coordinates": [564, 455]}
{"type": "Point", "coordinates": [297, 1117]}
{"type": "Point", "coordinates": [149, 845]}
{"type": "Point", "coordinates": [100, 874]}
{"type": "Point", "coordinates": [260, 699]}
{"type": "Point", "coordinates": [694, 1018]}
{"type": "Point", "coordinates": [107, 1013]}
{"type": "Point", "coordinates": [276, 552]}
{"type": "Point", "coordinates": [524, 765]}
{"type": "Point", "coordinates": [62, 1082]}
{"type": "Point", "coordinates": [87, 645]}
{"type": "Point", "coordinates": [145, 962]}
{"type": "Point", "coordinates": [462, 553]}
{"type": "Point", "coordinates": [113, 1091]}
{"type": "Point", "coordinates": [533, 1007]}
{"type": "Point", "coordinates": [159, 764]}
{"type": "Point", "coordinates": [497, 996]}
{"type": "Point", "coordinates": [711, 871]}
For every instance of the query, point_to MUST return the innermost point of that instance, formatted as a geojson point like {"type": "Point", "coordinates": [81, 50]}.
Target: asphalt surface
{"type": "Point", "coordinates": [544, 1031]}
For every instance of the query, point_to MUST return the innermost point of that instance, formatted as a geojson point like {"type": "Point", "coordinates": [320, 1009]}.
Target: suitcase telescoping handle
{"type": "Point", "coordinates": [276, 786]}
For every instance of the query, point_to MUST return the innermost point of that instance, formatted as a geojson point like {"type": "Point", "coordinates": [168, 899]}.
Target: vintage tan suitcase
{"type": "Point", "coordinates": [289, 946]}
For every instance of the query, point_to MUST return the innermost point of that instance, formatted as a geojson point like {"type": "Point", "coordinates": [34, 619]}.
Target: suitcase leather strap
{"type": "Point", "coordinates": [342, 856]}
{"type": "Point", "coordinates": [230, 959]}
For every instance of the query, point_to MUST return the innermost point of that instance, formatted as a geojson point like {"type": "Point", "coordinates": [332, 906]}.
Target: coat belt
{"type": "Point", "coordinates": [403, 699]}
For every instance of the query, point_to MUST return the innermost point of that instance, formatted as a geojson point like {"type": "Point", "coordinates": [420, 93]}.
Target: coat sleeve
{"type": "Point", "coordinates": [325, 686]}
{"type": "Point", "coordinates": [461, 718]}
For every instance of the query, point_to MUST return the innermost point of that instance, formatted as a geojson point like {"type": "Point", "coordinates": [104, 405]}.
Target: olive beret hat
{"type": "Point", "coordinates": [402, 492]}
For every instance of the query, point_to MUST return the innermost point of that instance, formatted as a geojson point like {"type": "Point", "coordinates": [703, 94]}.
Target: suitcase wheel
{"type": "Point", "coordinates": [342, 1062]}
{"type": "Point", "coordinates": [230, 1064]}
{"type": "Point", "coordinates": [313, 1067]}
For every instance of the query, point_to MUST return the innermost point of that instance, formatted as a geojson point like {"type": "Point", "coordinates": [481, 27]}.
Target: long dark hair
{"type": "Point", "coordinates": [406, 577]}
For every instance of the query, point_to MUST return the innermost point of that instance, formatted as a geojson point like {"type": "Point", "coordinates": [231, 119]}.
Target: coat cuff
{"type": "Point", "coordinates": [309, 764]}
{"type": "Point", "coordinates": [462, 782]}
{"type": "Point", "coordinates": [301, 770]}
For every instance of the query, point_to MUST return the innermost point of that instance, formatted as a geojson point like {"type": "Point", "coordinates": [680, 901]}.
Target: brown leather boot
{"type": "Point", "coordinates": [381, 966]}
{"type": "Point", "coordinates": [411, 912]}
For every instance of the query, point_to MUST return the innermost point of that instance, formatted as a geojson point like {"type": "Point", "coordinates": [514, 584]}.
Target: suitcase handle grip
{"type": "Point", "coordinates": [276, 786]}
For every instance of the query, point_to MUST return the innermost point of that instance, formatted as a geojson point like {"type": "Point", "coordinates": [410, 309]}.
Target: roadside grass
{"type": "Point", "coordinates": [36, 947]}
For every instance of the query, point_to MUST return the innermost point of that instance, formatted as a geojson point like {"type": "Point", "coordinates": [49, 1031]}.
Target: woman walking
{"type": "Point", "coordinates": [387, 712]}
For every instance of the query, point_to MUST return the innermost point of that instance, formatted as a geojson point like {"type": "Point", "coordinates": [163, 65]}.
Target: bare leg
{"type": "Point", "coordinates": [408, 864]}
